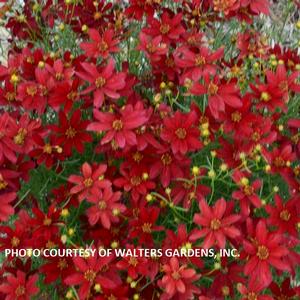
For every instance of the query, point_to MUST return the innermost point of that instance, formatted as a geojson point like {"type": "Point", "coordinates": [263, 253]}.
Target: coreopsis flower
{"type": "Point", "coordinates": [168, 166]}
{"type": "Point", "coordinates": [106, 208]}
{"type": "Point", "coordinates": [265, 250]}
{"type": "Point", "coordinates": [144, 225]}
{"type": "Point", "coordinates": [169, 27]}
{"type": "Point", "coordinates": [217, 224]}
{"type": "Point", "coordinates": [89, 273]}
{"type": "Point", "coordinates": [103, 82]}
{"type": "Point", "coordinates": [283, 290]}
{"type": "Point", "coordinates": [21, 132]}
{"type": "Point", "coordinates": [19, 287]}
{"type": "Point", "coordinates": [135, 181]}
{"type": "Point", "coordinates": [71, 133]}
{"type": "Point", "coordinates": [247, 192]}
{"type": "Point", "coordinates": [55, 267]}
{"type": "Point", "coordinates": [90, 183]}
{"type": "Point", "coordinates": [119, 126]}
{"type": "Point", "coordinates": [152, 46]}
{"type": "Point", "coordinates": [257, 6]}
{"type": "Point", "coordinates": [284, 215]}
{"type": "Point", "coordinates": [59, 72]}
{"type": "Point", "coordinates": [219, 93]}
{"type": "Point", "coordinates": [7, 146]}
{"type": "Point", "coordinates": [178, 281]}
{"type": "Point", "coordinates": [48, 152]}
{"type": "Point", "coordinates": [65, 94]}
{"type": "Point", "coordinates": [280, 158]}
{"type": "Point", "coordinates": [197, 64]}
{"type": "Point", "coordinates": [101, 45]}
{"type": "Point", "coordinates": [181, 133]}
{"type": "Point", "coordinates": [6, 209]}
{"type": "Point", "coordinates": [253, 290]}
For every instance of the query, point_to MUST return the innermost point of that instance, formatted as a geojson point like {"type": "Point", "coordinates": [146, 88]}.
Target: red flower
{"type": "Point", "coordinates": [106, 208]}
{"type": "Point", "coordinates": [178, 281]}
{"type": "Point", "coordinates": [7, 147]}
{"type": "Point", "coordinates": [247, 192]}
{"type": "Point", "coordinates": [119, 126]}
{"type": "Point", "coordinates": [181, 132]}
{"type": "Point", "coordinates": [168, 27]}
{"type": "Point", "coordinates": [265, 250]}
{"type": "Point", "coordinates": [219, 94]}
{"type": "Point", "coordinates": [90, 183]}
{"type": "Point", "coordinates": [100, 46]}
{"type": "Point", "coordinates": [196, 65]}
{"type": "Point", "coordinates": [71, 132]}
{"type": "Point", "coordinates": [89, 272]}
{"type": "Point", "coordinates": [6, 210]}
{"type": "Point", "coordinates": [19, 287]}
{"type": "Point", "coordinates": [104, 82]}
{"type": "Point", "coordinates": [153, 47]}
{"type": "Point", "coordinates": [257, 6]}
{"type": "Point", "coordinates": [144, 225]}
{"type": "Point", "coordinates": [284, 215]}
{"type": "Point", "coordinates": [253, 291]}
{"type": "Point", "coordinates": [216, 224]}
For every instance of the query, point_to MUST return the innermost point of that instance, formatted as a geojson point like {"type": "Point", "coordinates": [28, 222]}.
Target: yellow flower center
{"type": "Point", "coordinates": [285, 215]}
{"type": "Point", "coordinates": [100, 82]}
{"type": "Point", "coordinates": [90, 275]}
{"type": "Point", "coordinates": [181, 133]}
{"type": "Point", "coordinates": [166, 159]}
{"type": "Point", "coordinates": [117, 125]}
{"type": "Point", "coordinates": [215, 224]}
{"type": "Point", "coordinates": [262, 252]}
{"type": "Point", "coordinates": [70, 132]}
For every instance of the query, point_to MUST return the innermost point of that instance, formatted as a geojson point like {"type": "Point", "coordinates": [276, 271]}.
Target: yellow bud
{"type": "Point", "coordinates": [68, 2]}
{"type": "Point", "coordinates": [157, 98]}
{"type": "Point", "coordinates": [195, 170]}
{"type": "Point", "coordinates": [128, 279]}
{"type": "Point", "coordinates": [71, 231]}
{"type": "Point", "coordinates": [258, 148]}
{"type": "Point", "coordinates": [84, 28]}
{"type": "Point", "coordinates": [297, 67]}
{"type": "Point", "coordinates": [223, 167]}
{"type": "Point", "coordinates": [149, 197]}
{"type": "Point", "coordinates": [288, 163]}
{"type": "Point", "coordinates": [168, 191]}
{"type": "Point", "coordinates": [205, 132]}
{"type": "Point", "coordinates": [115, 212]}
{"type": "Point", "coordinates": [61, 26]}
{"type": "Point", "coordinates": [298, 24]}
{"type": "Point", "coordinates": [280, 127]}
{"type": "Point", "coordinates": [281, 62]}
{"type": "Point", "coordinates": [256, 65]}
{"type": "Point", "coordinates": [272, 56]}
{"type": "Point", "coordinates": [263, 202]}
{"type": "Point", "coordinates": [242, 156]}
{"type": "Point", "coordinates": [211, 174]}
{"type": "Point", "coordinates": [275, 189]}
{"type": "Point", "coordinates": [114, 245]}
{"type": "Point", "coordinates": [213, 153]}
{"type": "Point", "coordinates": [244, 181]}
{"type": "Point", "coordinates": [162, 85]}
{"type": "Point", "coordinates": [168, 92]}
{"type": "Point", "coordinates": [97, 288]}
{"type": "Point", "coordinates": [217, 266]}
{"type": "Point", "coordinates": [56, 37]}
{"type": "Point", "coordinates": [133, 284]}
{"type": "Point", "coordinates": [58, 149]}
{"type": "Point", "coordinates": [274, 63]}
{"type": "Point", "coordinates": [14, 78]}
{"type": "Point", "coordinates": [35, 7]}
{"type": "Point", "coordinates": [267, 168]}
{"type": "Point", "coordinates": [69, 294]}
{"type": "Point", "coordinates": [145, 176]}
{"type": "Point", "coordinates": [63, 238]}
{"type": "Point", "coordinates": [64, 213]}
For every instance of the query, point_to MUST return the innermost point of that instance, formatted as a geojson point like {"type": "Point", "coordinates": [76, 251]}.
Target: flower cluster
{"type": "Point", "coordinates": [149, 124]}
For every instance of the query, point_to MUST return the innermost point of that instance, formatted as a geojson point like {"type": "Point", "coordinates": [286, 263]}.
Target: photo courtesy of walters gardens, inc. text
{"type": "Point", "coordinates": [149, 150]}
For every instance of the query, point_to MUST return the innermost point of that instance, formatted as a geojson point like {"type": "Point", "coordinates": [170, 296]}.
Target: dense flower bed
{"type": "Point", "coordinates": [149, 125]}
